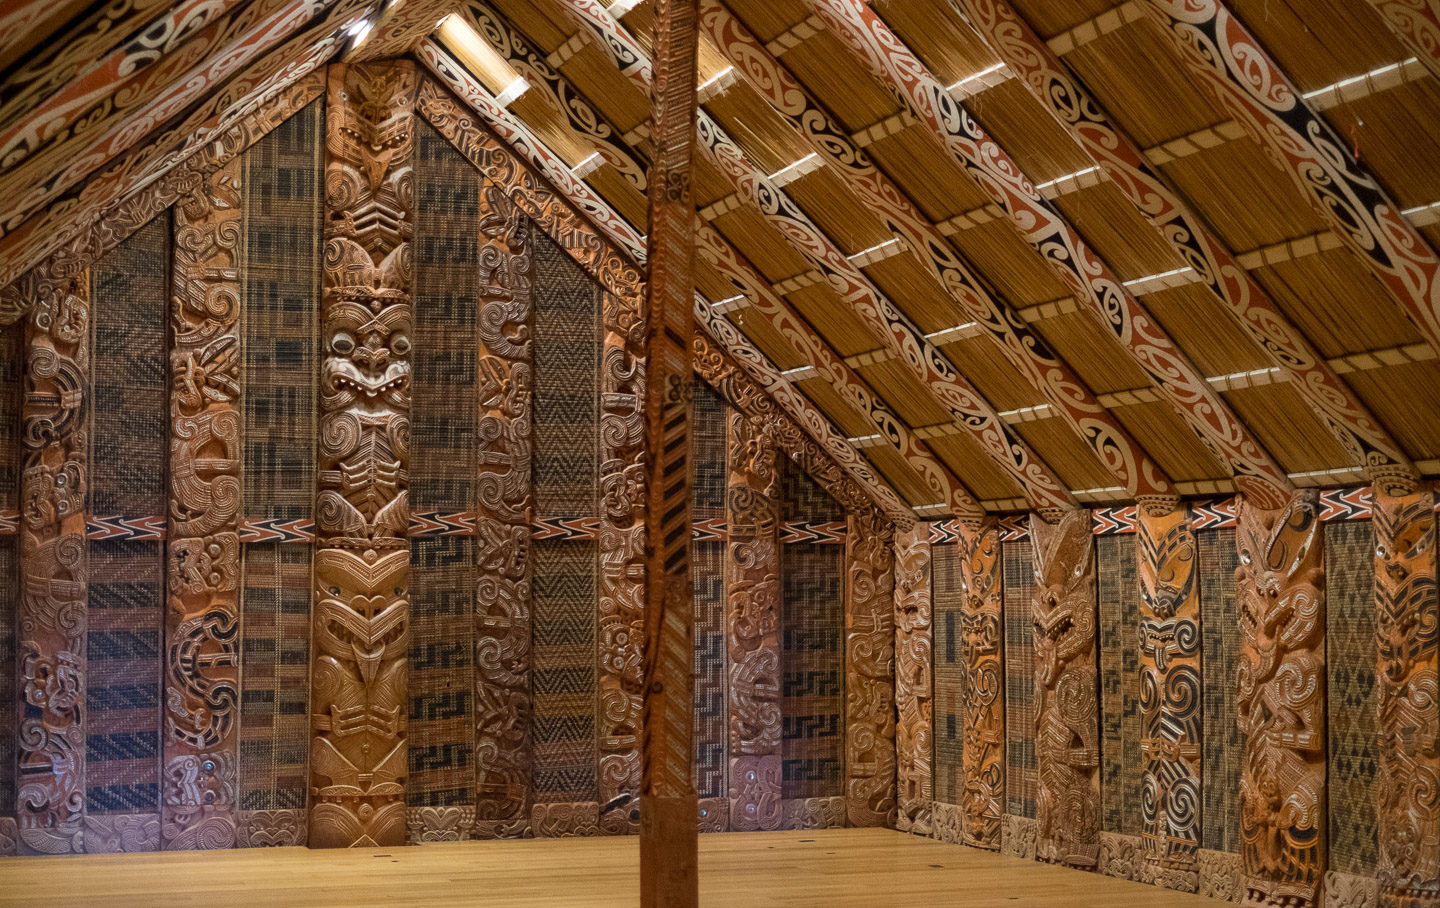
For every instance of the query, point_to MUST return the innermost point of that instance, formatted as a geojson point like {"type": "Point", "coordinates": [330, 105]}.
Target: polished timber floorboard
{"type": "Point", "coordinates": [843, 868]}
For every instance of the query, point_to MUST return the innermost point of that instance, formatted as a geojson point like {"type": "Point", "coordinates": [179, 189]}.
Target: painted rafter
{"type": "Point", "coordinates": [1417, 24]}
{"type": "Point", "coordinates": [927, 362]}
{"type": "Point", "coordinates": [401, 26]}
{"type": "Point", "coordinates": [1023, 348]}
{"type": "Point", "coordinates": [1054, 85]}
{"type": "Point", "coordinates": [1223, 54]}
{"type": "Point", "coordinates": [761, 296]}
{"type": "Point", "coordinates": [614, 231]}
{"type": "Point", "coordinates": [1041, 224]}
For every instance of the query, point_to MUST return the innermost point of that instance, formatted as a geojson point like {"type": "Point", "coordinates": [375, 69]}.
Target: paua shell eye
{"type": "Point", "coordinates": [400, 344]}
{"type": "Point", "coordinates": [342, 343]}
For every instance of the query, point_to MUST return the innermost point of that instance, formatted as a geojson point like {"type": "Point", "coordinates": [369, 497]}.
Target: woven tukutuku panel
{"type": "Point", "coordinates": [1119, 594]}
{"type": "Point", "coordinates": [946, 571]}
{"type": "Point", "coordinates": [444, 419]}
{"type": "Point", "coordinates": [1020, 767]}
{"type": "Point", "coordinates": [1224, 744]}
{"type": "Point", "coordinates": [812, 648]}
{"type": "Point", "coordinates": [707, 571]}
{"type": "Point", "coordinates": [11, 369]}
{"type": "Point", "coordinates": [129, 447]}
{"type": "Point", "coordinates": [282, 186]}
{"type": "Point", "coordinates": [567, 372]}
{"type": "Point", "coordinates": [1352, 697]}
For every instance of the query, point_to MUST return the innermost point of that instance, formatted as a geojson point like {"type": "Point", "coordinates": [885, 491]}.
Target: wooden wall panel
{"type": "Point", "coordinates": [913, 688]}
{"type": "Point", "coordinates": [870, 798]}
{"type": "Point", "coordinates": [12, 365]}
{"type": "Point", "coordinates": [981, 578]}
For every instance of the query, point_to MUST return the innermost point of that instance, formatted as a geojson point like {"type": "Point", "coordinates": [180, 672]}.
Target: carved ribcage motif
{"type": "Point", "coordinates": [912, 678]}
{"type": "Point", "coordinates": [984, 735]}
{"type": "Point", "coordinates": [1067, 806]}
{"type": "Point", "coordinates": [361, 604]}
{"type": "Point", "coordinates": [1280, 699]}
{"type": "Point", "coordinates": [869, 671]}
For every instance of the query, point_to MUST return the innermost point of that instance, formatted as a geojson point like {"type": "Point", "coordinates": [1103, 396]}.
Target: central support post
{"type": "Point", "coordinates": [668, 810]}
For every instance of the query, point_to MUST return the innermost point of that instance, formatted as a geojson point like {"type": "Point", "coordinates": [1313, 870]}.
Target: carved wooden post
{"type": "Point", "coordinates": [502, 523]}
{"type": "Point", "coordinates": [1067, 719]}
{"type": "Point", "coordinates": [201, 735]}
{"type": "Point", "coordinates": [869, 670]}
{"type": "Point", "coordinates": [362, 515]}
{"type": "Point", "coordinates": [981, 580]}
{"type": "Point", "coordinates": [1170, 695]}
{"type": "Point", "coordinates": [752, 595]}
{"type": "Point", "coordinates": [668, 831]}
{"type": "Point", "coordinates": [50, 649]}
{"type": "Point", "coordinates": [913, 608]}
{"type": "Point", "coordinates": [1408, 628]}
{"type": "Point", "coordinates": [1280, 700]}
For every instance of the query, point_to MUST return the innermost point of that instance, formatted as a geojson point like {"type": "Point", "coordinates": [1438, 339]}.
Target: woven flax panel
{"type": "Point", "coordinates": [129, 447]}
{"type": "Point", "coordinates": [948, 672]}
{"type": "Point", "coordinates": [812, 648]}
{"type": "Point", "coordinates": [1351, 695]}
{"type": "Point", "coordinates": [707, 571]}
{"type": "Point", "coordinates": [444, 420]}
{"type": "Point", "coordinates": [1119, 594]}
{"type": "Point", "coordinates": [282, 186]}
{"type": "Point", "coordinates": [1224, 744]}
{"type": "Point", "coordinates": [1020, 767]}
{"type": "Point", "coordinates": [11, 368]}
{"type": "Point", "coordinates": [567, 373]}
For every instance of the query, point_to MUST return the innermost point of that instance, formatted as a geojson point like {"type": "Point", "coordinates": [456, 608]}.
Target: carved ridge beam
{"type": "Point", "coordinates": [612, 236]}
{"type": "Point", "coordinates": [1350, 422]}
{"type": "Point", "coordinates": [935, 371]}
{"type": "Point", "coordinates": [1046, 230]}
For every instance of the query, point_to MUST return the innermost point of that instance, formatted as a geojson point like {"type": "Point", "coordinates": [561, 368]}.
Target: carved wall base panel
{"type": "Point", "coordinates": [1408, 630]}
{"type": "Point", "coordinates": [1281, 701]}
{"type": "Point", "coordinates": [439, 824]}
{"type": "Point", "coordinates": [812, 813]}
{"type": "Point", "coordinates": [201, 734]}
{"type": "Point", "coordinates": [1017, 836]}
{"type": "Point", "coordinates": [1120, 855]}
{"type": "Point", "coordinates": [947, 824]}
{"type": "Point", "coordinates": [982, 580]}
{"type": "Point", "coordinates": [9, 837]}
{"type": "Point", "coordinates": [1067, 719]}
{"type": "Point", "coordinates": [1348, 890]}
{"type": "Point", "coordinates": [505, 499]}
{"type": "Point", "coordinates": [752, 594]}
{"type": "Point", "coordinates": [270, 828]}
{"type": "Point", "coordinates": [1220, 875]}
{"type": "Point", "coordinates": [1170, 696]}
{"type": "Point", "coordinates": [869, 671]}
{"type": "Point", "coordinates": [362, 559]}
{"type": "Point", "coordinates": [50, 645]}
{"type": "Point", "coordinates": [913, 688]}
{"type": "Point", "coordinates": [562, 821]}
{"type": "Point", "coordinates": [119, 833]}
{"type": "Point", "coordinates": [714, 814]}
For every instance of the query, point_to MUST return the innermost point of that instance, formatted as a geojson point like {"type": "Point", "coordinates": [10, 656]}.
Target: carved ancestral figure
{"type": "Point", "coordinates": [1170, 697]}
{"type": "Point", "coordinates": [913, 688]}
{"type": "Point", "coordinates": [361, 615]}
{"type": "Point", "coordinates": [1281, 702]}
{"type": "Point", "coordinates": [869, 671]}
{"type": "Point", "coordinates": [1067, 807]}
{"type": "Point", "coordinates": [1408, 634]}
{"type": "Point", "coordinates": [984, 735]}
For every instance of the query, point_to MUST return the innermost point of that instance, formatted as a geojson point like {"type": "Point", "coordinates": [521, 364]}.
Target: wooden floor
{"type": "Point", "coordinates": [844, 868]}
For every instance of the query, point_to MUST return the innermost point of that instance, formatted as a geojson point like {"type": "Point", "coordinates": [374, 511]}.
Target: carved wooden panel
{"type": "Point", "coordinates": [502, 522]}
{"type": "Point", "coordinates": [869, 671]}
{"type": "Point", "coordinates": [362, 559]}
{"type": "Point", "coordinates": [201, 747]}
{"type": "Point", "coordinates": [913, 609]}
{"type": "Point", "coordinates": [270, 828]}
{"type": "Point", "coordinates": [1067, 729]}
{"type": "Point", "coordinates": [752, 593]}
{"type": "Point", "coordinates": [1408, 630]}
{"type": "Point", "coordinates": [50, 650]}
{"type": "Point", "coordinates": [981, 581]}
{"type": "Point", "coordinates": [1170, 696]}
{"type": "Point", "coordinates": [1280, 698]}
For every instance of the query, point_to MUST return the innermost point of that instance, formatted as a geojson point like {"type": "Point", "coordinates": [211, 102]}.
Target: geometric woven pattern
{"type": "Point", "coordinates": [707, 568]}
{"type": "Point", "coordinates": [1020, 767]}
{"type": "Point", "coordinates": [1119, 594]}
{"type": "Point", "coordinates": [1351, 695]}
{"type": "Point", "coordinates": [707, 442]}
{"type": "Point", "coordinates": [1224, 745]}
{"type": "Point", "coordinates": [949, 672]}
{"type": "Point", "coordinates": [563, 687]}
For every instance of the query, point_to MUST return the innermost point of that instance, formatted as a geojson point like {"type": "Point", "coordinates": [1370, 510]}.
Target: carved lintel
{"type": "Point", "coordinates": [869, 671]}
{"type": "Point", "coordinates": [913, 687]}
{"type": "Point", "coordinates": [981, 582]}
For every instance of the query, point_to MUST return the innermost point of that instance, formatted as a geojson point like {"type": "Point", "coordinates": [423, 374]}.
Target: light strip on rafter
{"type": "Point", "coordinates": [475, 53]}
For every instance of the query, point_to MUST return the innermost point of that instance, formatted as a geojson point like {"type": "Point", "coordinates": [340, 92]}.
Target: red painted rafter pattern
{"type": "Point", "coordinates": [1045, 229]}
{"type": "Point", "coordinates": [1123, 161]}
{"type": "Point", "coordinates": [1417, 24]}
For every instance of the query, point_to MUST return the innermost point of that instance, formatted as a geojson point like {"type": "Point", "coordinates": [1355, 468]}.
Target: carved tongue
{"type": "Point", "coordinates": [368, 660]}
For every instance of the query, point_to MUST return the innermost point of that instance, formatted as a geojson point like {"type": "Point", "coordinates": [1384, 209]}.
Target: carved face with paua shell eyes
{"type": "Point", "coordinates": [368, 361]}
{"type": "Point", "coordinates": [1407, 618]}
{"type": "Point", "coordinates": [1063, 606]}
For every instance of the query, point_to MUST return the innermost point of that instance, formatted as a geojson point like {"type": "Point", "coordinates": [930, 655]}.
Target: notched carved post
{"type": "Point", "coordinates": [1067, 718]}
{"type": "Point", "coordinates": [502, 523]}
{"type": "Point", "coordinates": [361, 623]}
{"type": "Point", "coordinates": [1280, 701]}
{"type": "Point", "coordinates": [1170, 696]}
{"type": "Point", "coordinates": [869, 670]}
{"type": "Point", "coordinates": [753, 624]}
{"type": "Point", "coordinates": [981, 581]}
{"type": "Point", "coordinates": [1408, 631]}
{"type": "Point", "coordinates": [55, 428]}
{"type": "Point", "coordinates": [202, 618]}
{"type": "Point", "coordinates": [913, 609]}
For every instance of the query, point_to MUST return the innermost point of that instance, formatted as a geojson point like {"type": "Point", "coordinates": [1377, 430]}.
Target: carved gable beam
{"type": "Point", "coordinates": [1042, 226]}
{"type": "Point", "coordinates": [402, 26]}
{"type": "Point", "coordinates": [1054, 85]}
{"type": "Point", "coordinates": [1417, 24]}
{"type": "Point", "coordinates": [1024, 349]}
{"type": "Point", "coordinates": [1222, 53]}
